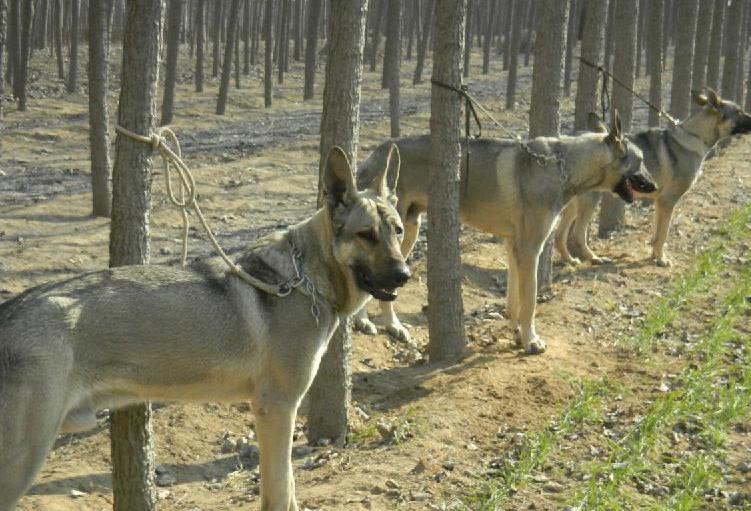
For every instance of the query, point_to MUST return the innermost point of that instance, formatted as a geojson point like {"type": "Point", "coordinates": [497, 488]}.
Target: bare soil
{"type": "Point", "coordinates": [256, 171]}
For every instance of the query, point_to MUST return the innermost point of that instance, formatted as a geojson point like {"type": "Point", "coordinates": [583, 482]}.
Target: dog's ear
{"type": "Point", "coordinates": [338, 180]}
{"type": "Point", "coordinates": [615, 135]}
{"type": "Point", "coordinates": [384, 183]}
{"type": "Point", "coordinates": [713, 98]}
{"type": "Point", "coordinates": [699, 97]}
{"type": "Point", "coordinates": [595, 124]}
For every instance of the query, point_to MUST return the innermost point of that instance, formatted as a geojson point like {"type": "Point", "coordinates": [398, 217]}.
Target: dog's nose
{"type": "Point", "coordinates": [401, 276]}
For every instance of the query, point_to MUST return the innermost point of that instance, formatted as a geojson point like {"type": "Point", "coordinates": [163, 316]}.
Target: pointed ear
{"type": "Point", "coordinates": [615, 136]}
{"type": "Point", "coordinates": [595, 124]}
{"type": "Point", "coordinates": [699, 97]}
{"type": "Point", "coordinates": [713, 98]}
{"type": "Point", "coordinates": [338, 180]}
{"type": "Point", "coordinates": [384, 183]}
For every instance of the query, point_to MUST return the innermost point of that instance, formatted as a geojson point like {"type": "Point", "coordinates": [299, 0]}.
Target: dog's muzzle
{"type": "Point", "coordinates": [742, 125]}
{"type": "Point", "coordinates": [382, 286]}
{"type": "Point", "coordinates": [631, 184]}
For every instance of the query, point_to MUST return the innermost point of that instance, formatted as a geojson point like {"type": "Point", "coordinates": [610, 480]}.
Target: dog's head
{"type": "Point", "coordinates": [718, 117]}
{"type": "Point", "coordinates": [366, 228]}
{"type": "Point", "coordinates": [625, 174]}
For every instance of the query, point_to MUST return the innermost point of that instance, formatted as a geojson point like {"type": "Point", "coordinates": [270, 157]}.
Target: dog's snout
{"type": "Point", "coordinates": [401, 275]}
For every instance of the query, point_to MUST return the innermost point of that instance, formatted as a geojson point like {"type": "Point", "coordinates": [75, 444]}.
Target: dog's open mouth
{"type": "Point", "coordinates": [629, 186]}
{"type": "Point", "coordinates": [365, 282]}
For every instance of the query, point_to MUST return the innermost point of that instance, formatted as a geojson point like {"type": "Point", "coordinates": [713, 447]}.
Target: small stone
{"type": "Point", "coordinates": [390, 483]}
{"type": "Point", "coordinates": [77, 494]}
{"type": "Point", "coordinates": [165, 479]}
{"type": "Point", "coordinates": [165, 251]}
{"type": "Point", "coordinates": [744, 467]}
{"type": "Point", "coordinates": [418, 496]}
{"type": "Point", "coordinates": [471, 446]}
{"type": "Point", "coordinates": [448, 465]}
{"type": "Point", "coordinates": [552, 487]}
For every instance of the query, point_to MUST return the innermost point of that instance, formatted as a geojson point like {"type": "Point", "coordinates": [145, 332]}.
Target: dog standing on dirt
{"type": "Point", "coordinates": [673, 156]}
{"type": "Point", "coordinates": [515, 191]}
{"type": "Point", "coordinates": [138, 333]}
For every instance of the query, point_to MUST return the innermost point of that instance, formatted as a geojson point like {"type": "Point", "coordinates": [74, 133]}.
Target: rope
{"type": "Point", "coordinates": [188, 200]}
{"type": "Point", "coordinates": [605, 73]}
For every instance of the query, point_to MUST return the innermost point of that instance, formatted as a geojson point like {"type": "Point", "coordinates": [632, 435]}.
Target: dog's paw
{"type": "Point", "coordinates": [518, 338]}
{"type": "Point", "coordinates": [663, 262]}
{"type": "Point", "coordinates": [597, 260]}
{"type": "Point", "coordinates": [535, 346]}
{"type": "Point", "coordinates": [398, 332]}
{"type": "Point", "coordinates": [573, 261]}
{"type": "Point", "coordinates": [365, 326]}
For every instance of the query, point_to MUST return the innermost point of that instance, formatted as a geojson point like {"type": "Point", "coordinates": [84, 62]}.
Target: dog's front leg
{"type": "Point", "coordinates": [586, 205]}
{"type": "Point", "coordinates": [526, 263]}
{"type": "Point", "coordinates": [663, 216]}
{"type": "Point", "coordinates": [275, 422]}
{"type": "Point", "coordinates": [562, 233]}
{"type": "Point", "coordinates": [512, 294]}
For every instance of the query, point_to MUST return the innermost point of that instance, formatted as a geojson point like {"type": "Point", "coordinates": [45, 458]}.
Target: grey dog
{"type": "Point", "coordinates": [135, 333]}
{"type": "Point", "coordinates": [516, 192]}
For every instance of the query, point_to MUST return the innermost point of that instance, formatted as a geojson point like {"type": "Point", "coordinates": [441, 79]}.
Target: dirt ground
{"type": "Point", "coordinates": [256, 171]}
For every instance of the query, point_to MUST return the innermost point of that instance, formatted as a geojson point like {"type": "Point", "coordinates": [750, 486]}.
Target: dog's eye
{"type": "Point", "coordinates": [399, 231]}
{"type": "Point", "coordinates": [368, 235]}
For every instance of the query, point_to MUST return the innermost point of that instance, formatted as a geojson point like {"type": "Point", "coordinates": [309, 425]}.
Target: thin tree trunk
{"type": "Point", "coordinates": [200, 44]}
{"type": "Point", "coordinates": [73, 63]}
{"type": "Point", "coordinates": [98, 114]}
{"type": "Point", "coordinates": [3, 32]}
{"type": "Point", "coordinates": [247, 22]}
{"type": "Point", "coordinates": [715, 44]}
{"type": "Point", "coordinates": [422, 49]}
{"type": "Point", "coordinates": [311, 47]}
{"type": "Point", "coordinates": [740, 73]}
{"type": "Point", "coordinates": [516, 40]}
{"type": "Point", "coordinates": [256, 36]}
{"type": "Point", "coordinates": [640, 37]}
{"type": "Point", "coordinates": [701, 49]}
{"type": "Point", "coordinates": [58, 30]}
{"type": "Point", "coordinates": [467, 38]}
{"type": "Point", "coordinates": [237, 53]}
{"type": "Point", "coordinates": [297, 30]}
{"type": "Point", "coordinates": [22, 70]}
{"type": "Point", "coordinates": [132, 450]}
{"type": "Point", "coordinates": [283, 40]}
{"type": "Point", "coordinates": [216, 37]}
{"type": "Point", "coordinates": [330, 393]}
{"type": "Point", "coordinates": [571, 38]}
{"type": "Point", "coordinates": [393, 47]}
{"type": "Point", "coordinates": [591, 50]}
{"type": "Point", "coordinates": [14, 43]}
{"type": "Point", "coordinates": [174, 20]}
{"type": "Point", "coordinates": [508, 30]}
{"type": "Point", "coordinates": [531, 19]}
{"type": "Point", "coordinates": [730, 68]}
{"type": "Point", "coordinates": [609, 36]}
{"type": "Point", "coordinates": [414, 23]}
{"type": "Point", "coordinates": [380, 13]}
{"type": "Point", "coordinates": [268, 36]}
{"type": "Point", "coordinates": [666, 24]}
{"type": "Point", "coordinates": [680, 91]}
{"type": "Point", "coordinates": [393, 61]}
{"type": "Point", "coordinates": [229, 47]}
{"type": "Point", "coordinates": [654, 48]}
{"type": "Point", "coordinates": [612, 211]}
{"type": "Point", "coordinates": [445, 307]}
{"type": "Point", "coordinates": [488, 39]}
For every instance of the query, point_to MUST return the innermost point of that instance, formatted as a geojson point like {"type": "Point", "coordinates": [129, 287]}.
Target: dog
{"type": "Point", "coordinates": [130, 334]}
{"type": "Point", "coordinates": [514, 191]}
{"type": "Point", "coordinates": [673, 156]}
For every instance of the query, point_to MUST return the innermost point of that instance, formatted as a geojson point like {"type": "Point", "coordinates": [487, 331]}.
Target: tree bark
{"type": "Point", "coordinates": [422, 48]}
{"type": "Point", "coordinates": [283, 41]}
{"type": "Point", "coordinates": [394, 54]}
{"type": "Point", "coordinates": [73, 63]}
{"type": "Point", "coordinates": [654, 49]}
{"type": "Point", "coordinates": [216, 37]}
{"type": "Point", "coordinates": [22, 69]}
{"type": "Point", "coordinates": [740, 73]}
{"type": "Point", "coordinates": [330, 393]}
{"type": "Point", "coordinates": [98, 114]}
{"type": "Point", "coordinates": [680, 91]}
{"type": "Point", "coordinates": [715, 44]}
{"type": "Point", "coordinates": [229, 47]}
{"type": "Point", "coordinates": [200, 43]}
{"type": "Point", "coordinates": [380, 13]}
{"type": "Point", "coordinates": [467, 38]}
{"type": "Point", "coordinates": [591, 50]}
{"type": "Point", "coordinates": [612, 211]}
{"type": "Point", "coordinates": [58, 30]}
{"type": "Point", "coordinates": [530, 18]}
{"type": "Point", "coordinates": [609, 36]}
{"type": "Point", "coordinates": [445, 307]}
{"type": "Point", "coordinates": [174, 20]}
{"type": "Point", "coordinates": [730, 67]}
{"type": "Point", "coordinates": [701, 49]}
{"type": "Point", "coordinates": [488, 38]}
{"type": "Point", "coordinates": [237, 52]}
{"type": "Point", "coordinates": [515, 45]}
{"type": "Point", "coordinates": [311, 48]}
{"type": "Point", "coordinates": [268, 49]}
{"type": "Point", "coordinates": [132, 450]}
{"type": "Point", "coordinates": [639, 37]}
{"type": "Point", "coordinates": [571, 38]}
{"type": "Point", "coordinates": [667, 23]}
{"type": "Point", "coordinates": [3, 32]}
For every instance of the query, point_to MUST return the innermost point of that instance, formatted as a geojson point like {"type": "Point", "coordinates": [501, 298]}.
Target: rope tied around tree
{"type": "Point", "coordinates": [189, 200]}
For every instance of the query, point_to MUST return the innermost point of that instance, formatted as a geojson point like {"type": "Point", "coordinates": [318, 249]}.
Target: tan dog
{"type": "Point", "coordinates": [673, 156]}
{"type": "Point", "coordinates": [136, 333]}
{"type": "Point", "coordinates": [515, 194]}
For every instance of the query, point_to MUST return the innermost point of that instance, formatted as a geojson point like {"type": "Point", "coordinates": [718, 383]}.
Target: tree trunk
{"type": "Point", "coordinates": [330, 392]}
{"type": "Point", "coordinates": [237, 53]}
{"type": "Point", "coordinates": [393, 61]}
{"type": "Point", "coordinates": [544, 110]}
{"type": "Point", "coordinates": [730, 68]}
{"type": "Point", "coordinates": [22, 69]}
{"type": "Point", "coordinates": [445, 307]}
{"type": "Point", "coordinates": [174, 21]}
{"type": "Point", "coordinates": [680, 91]}
{"type": "Point", "coordinates": [609, 36]}
{"type": "Point", "coordinates": [715, 44]}
{"type": "Point", "coordinates": [132, 450]}
{"type": "Point", "coordinates": [422, 48]}
{"type": "Point", "coordinates": [515, 45]}
{"type": "Point", "coordinates": [311, 47]}
{"type": "Point", "coordinates": [701, 49]}
{"type": "Point", "coordinates": [283, 42]}
{"type": "Point", "coordinates": [200, 43]}
{"type": "Point", "coordinates": [467, 38]}
{"type": "Point", "coordinates": [13, 42]}
{"type": "Point", "coordinates": [216, 37]}
{"type": "Point", "coordinates": [380, 13]}
{"type": "Point", "coordinates": [3, 24]}
{"type": "Point", "coordinates": [591, 50]}
{"type": "Point", "coordinates": [256, 36]}
{"type": "Point", "coordinates": [667, 23]}
{"type": "Point", "coordinates": [247, 22]}
{"type": "Point", "coordinates": [612, 211]}
{"type": "Point", "coordinates": [268, 36]}
{"type": "Point", "coordinates": [73, 63]}
{"type": "Point", "coordinates": [740, 73]}
{"type": "Point", "coordinates": [488, 39]}
{"type": "Point", "coordinates": [229, 47]}
{"type": "Point", "coordinates": [571, 38]}
{"type": "Point", "coordinates": [639, 37]}
{"type": "Point", "coordinates": [530, 18]}
{"type": "Point", "coordinates": [654, 49]}
{"type": "Point", "coordinates": [98, 114]}
{"type": "Point", "coordinates": [297, 30]}
{"type": "Point", "coordinates": [58, 30]}
{"type": "Point", "coordinates": [414, 23]}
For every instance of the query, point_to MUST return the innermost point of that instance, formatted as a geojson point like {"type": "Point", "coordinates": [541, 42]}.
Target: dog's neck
{"type": "Point", "coordinates": [691, 134]}
{"type": "Point", "coordinates": [314, 238]}
{"type": "Point", "coordinates": [583, 174]}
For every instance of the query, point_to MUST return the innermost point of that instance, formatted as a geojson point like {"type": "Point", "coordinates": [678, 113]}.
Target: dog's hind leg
{"type": "Point", "coordinates": [664, 206]}
{"type": "Point", "coordinates": [562, 233]}
{"type": "Point", "coordinates": [526, 264]}
{"type": "Point", "coordinates": [275, 422]}
{"type": "Point", "coordinates": [512, 294]}
{"type": "Point", "coordinates": [579, 233]}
